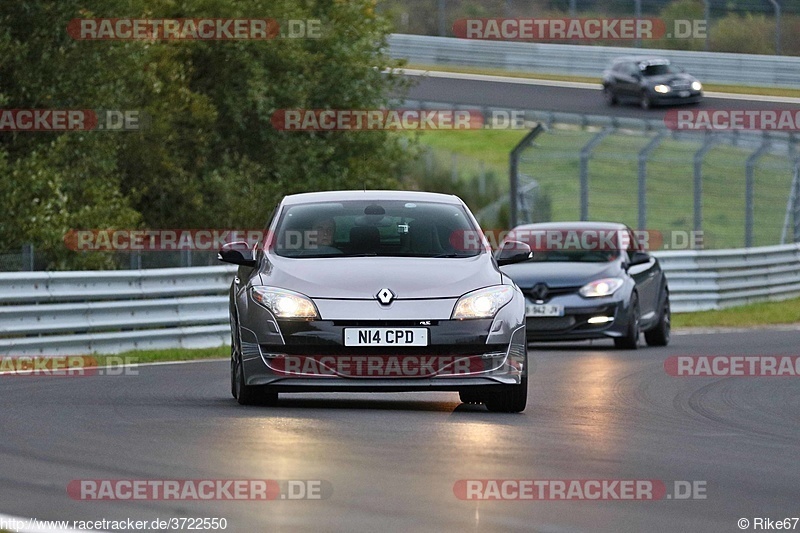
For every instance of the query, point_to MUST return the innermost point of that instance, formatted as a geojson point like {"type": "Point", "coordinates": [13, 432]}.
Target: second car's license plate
{"type": "Point", "coordinates": [684, 94]}
{"type": "Point", "coordinates": [385, 337]}
{"type": "Point", "coordinates": [544, 310]}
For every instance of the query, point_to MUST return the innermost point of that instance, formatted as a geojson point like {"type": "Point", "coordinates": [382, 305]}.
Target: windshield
{"type": "Point", "coordinates": [659, 70]}
{"type": "Point", "coordinates": [373, 228]}
{"type": "Point", "coordinates": [578, 256]}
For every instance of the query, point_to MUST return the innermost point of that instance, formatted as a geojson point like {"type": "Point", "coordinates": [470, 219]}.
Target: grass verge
{"type": "Point", "coordinates": [155, 356]}
{"type": "Point", "coordinates": [713, 87]}
{"type": "Point", "coordinates": [760, 314]}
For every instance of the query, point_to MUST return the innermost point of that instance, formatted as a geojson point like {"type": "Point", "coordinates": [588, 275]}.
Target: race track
{"type": "Point", "coordinates": [565, 97]}
{"type": "Point", "coordinates": [392, 460]}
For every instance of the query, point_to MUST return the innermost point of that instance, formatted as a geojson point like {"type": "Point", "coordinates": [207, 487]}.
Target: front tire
{"type": "Point", "coordinates": [508, 398]}
{"type": "Point", "coordinates": [610, 97]}
{"type": "Point", "coordinates": [659, 335]}
{"type": "Point", "coordinates": [645, 102]}
{"type": "Point", "coordinates": [631, 339]}
{"type": "Point", "coordinates": [249, 394]}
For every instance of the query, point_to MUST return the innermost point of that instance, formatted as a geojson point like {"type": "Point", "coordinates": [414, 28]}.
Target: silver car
{"type": "Point", "coordinates": [373, 291]}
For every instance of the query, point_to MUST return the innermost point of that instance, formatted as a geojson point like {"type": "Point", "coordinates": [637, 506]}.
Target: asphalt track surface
{"type": "Point", "coordinates": [392, 460]}
{"type": "Point", "coordinates": [562, 97]}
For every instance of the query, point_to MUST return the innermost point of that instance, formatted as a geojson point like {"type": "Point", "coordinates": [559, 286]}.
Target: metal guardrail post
{"type": "Point", "coordinates": [644, 154]}
{"type": "Point", "coordinates": [586, 153]}
{"type": "Point", "coordinates": [513, 169]}
{"type": "Point", "coordinates": [699, 155]}
{"type": "Point", "coordinates": [752, 160]}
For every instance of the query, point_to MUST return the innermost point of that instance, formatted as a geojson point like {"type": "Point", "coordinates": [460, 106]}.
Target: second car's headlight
{"type": "Point", "coordinates": [601, 287]}
{"type": "Point", "coordinates": [284, 303]}
{"type": "Point", "coordinates": [696, 85]}
{"type": "Point", "coordinates": [483, 303]}
{"type": "Point", "coordinates": [662, 89]}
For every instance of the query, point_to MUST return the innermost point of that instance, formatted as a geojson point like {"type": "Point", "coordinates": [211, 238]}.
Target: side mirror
{"type": "Point", "coordinates": [513, 252]}
{"type": "Point", "coordinates": [238, 253]}
{"type": "Point", "coordinates": [638, 258]}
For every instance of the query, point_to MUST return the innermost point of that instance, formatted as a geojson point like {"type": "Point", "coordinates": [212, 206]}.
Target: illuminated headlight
{"type": "Point", "coordinates": [284, 303]}
{"type": "Point", "coordinates": [696, 86]}
{"type": "Point", "coordinates": [601, 287]}
{"type": "Point", "coordinates": [663, 89]}
{"type": "Point", "coordinates": [483, 303]}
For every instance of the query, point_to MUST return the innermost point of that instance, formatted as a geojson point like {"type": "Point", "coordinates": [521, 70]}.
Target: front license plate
{"type": "Point", "coordinates": [684, 94]}
{"type": "Point", "coordinates": [385, 337]}
{"type": "Point", "coordinates": [544, 310]}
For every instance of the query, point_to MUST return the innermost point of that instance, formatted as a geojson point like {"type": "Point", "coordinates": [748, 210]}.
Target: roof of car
{"type": "Point", "coordinates": [340, 196]}
{"type": "Point", "coordinates": [566, 226]}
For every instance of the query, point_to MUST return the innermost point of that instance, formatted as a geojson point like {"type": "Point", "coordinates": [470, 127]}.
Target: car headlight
{"type": "Point", "coordinates": [483, 303]}
{"type": "Point", "coordinates": [663, 89]}
{"type": "Point", "coordinates": [696, 86]}
{"type": "Point", "coordinates": [284, 303]}
{"type": "Point", "coordinates": [601, 287]}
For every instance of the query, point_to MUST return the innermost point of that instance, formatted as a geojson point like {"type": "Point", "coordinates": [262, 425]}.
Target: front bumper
{"type": "Point", "coordinates": [313, 357]}
{"type": "Point", "coordinates": [574, 325]}
{"type": "Point", "coordinates": [676, 98]}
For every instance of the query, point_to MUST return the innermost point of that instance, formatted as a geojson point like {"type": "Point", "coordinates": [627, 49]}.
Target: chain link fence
{"type": "Point", "coordinates": [733, 190]}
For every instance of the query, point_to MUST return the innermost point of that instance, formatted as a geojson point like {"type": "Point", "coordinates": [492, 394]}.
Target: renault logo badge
{"type": "Point", "coordinates": [385, 296]}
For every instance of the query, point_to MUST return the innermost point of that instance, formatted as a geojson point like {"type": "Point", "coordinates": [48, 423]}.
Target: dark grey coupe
{"type": "Point", "coordinates": [369, 291]}
{"type": "Point", "coordinates": [591, 280]}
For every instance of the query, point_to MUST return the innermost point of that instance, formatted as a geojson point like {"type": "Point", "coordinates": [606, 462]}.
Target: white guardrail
{"type": "Point", "coordinates": [584, 60]}
{"type": "Point", "coordinates": [59, 313]}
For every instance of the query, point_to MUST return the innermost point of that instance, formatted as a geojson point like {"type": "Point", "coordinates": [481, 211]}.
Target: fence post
{"type": "Point", "coordinates": [752, 160]}
{"type": "Point", "coordinates": [513, 169]}
{"type": "Point", "coordinates": [644, 154]}
{"type": "Point", "coordinates": [707, 15]}
{"type": "Point", "coordinates": [27, 257]}
{"type": "Point", "coordinates": [777, 7]}
{"type": "Point", "coordinates": [792, 216]}
{"type": "Point", "coordinates": [699, 155]}
{"type": "Point", "coordinates": [586, 153]}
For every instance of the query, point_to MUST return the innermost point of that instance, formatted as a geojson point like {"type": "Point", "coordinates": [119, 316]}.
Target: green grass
{"type": "Point", "coordinates": [613, 168]}
{"type": "Point", "coordinates": [154, 356]}
{"type": "Point", "coordinates": [760, 314]}
{"type": "Point", "coordinates": [713, 87]}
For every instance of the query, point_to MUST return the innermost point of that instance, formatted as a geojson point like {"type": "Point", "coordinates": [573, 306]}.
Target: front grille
{"type": "Point", "coordinates": [681, 85]}
{"type": "Point", "coordinates": [337, 349]}
{"type": "Point", "coordinates": [551, 292]}
{"type": "Point", "coordinates": [550, 323]}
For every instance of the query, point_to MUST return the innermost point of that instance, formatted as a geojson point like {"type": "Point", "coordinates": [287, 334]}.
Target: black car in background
{"type": "Point", "coordinates": [590, 280]}
{"type": "Point", "coordinates": [649, 81]}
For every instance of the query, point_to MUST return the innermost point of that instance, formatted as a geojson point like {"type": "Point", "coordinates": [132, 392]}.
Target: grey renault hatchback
{"type": "Point", "coordinates": [375, 291]}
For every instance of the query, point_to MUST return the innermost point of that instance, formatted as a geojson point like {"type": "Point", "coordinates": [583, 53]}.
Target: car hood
{"type": "Point", "coordinates": [363, 277]}
{"type": "Point", "coordinates": [669, 78]}
{"type": "Point", "coordinates": [559, 274]}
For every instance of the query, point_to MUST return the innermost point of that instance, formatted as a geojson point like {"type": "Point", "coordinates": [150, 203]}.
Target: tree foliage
{"type": "Point", "coordinates": [209, 156]}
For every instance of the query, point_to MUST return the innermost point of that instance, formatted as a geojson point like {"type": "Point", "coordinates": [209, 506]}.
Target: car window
{"type": "Point", "coordinates": [659, 70]}
{"type": "Point", "coordinates": [379, 228]}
